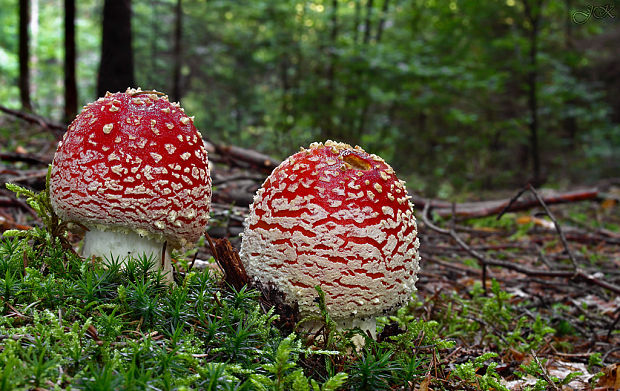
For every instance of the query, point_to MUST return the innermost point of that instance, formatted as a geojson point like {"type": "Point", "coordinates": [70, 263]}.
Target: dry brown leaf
{"type": "Point", "coordinates": [611, 377]}
{"type": "Point", "coordinates": [608, 203]}
{"type": "Point", "coordinates": [425, 383]}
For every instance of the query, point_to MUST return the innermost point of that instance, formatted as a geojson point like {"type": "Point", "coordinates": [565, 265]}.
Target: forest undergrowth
{"type": "Point", "coordinates": [70, 323]}
{"type": "Point", "coordinates": [510, 300]}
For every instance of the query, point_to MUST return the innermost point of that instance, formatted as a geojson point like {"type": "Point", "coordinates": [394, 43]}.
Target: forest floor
{"type": "Point", "coordinates": [535, 282]}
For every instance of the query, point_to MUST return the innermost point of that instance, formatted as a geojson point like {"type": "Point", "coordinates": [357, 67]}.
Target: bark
{"type": "Point", "coordinates": [178, 37]}
{"type": "Point", "coordinates": [70, 55]}
{"type": "Point", "coordinates": [237, 156]}
{"type": "Point", "coordinates": [24, 55]}
{"type": "Point", "coordinates": [116, 71]}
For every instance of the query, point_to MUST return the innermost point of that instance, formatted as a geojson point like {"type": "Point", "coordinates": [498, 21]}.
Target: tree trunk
{"type": "Point", "coordinates": [178, 36]}
{"type": "Point", "coordinates": [328, 129]}
{"type": "Point", "coordinates": [116, 67]}
{"type": "Point", "coordinates": [356, 21]}
{"type": "Point", "coordinates": [70, 83]}
{"type": "Point", "coordinates": [368, 23]}
{"type": "Point", "coordinates": [24, 55]}
{"type": "Point", "coordinates": [532, 14]}
{"type": "Point", "coordinates": [384, 10]}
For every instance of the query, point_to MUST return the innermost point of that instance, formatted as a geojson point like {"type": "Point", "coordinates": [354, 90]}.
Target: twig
{"type": "Point", "coordinates": [544, 372]}
{"type": "Point", "coordinates": [578, 274]}
{"type": "Point", "coordinates": [555, 223]}
{"type": "Point", "coordinates": [481, 258]}
{"type": "Point", "coordinates": [451, 265]}
{"type": "Point", "coordinates": [609, 352]}
{"type": "Point", "coordinates": [613, 324]}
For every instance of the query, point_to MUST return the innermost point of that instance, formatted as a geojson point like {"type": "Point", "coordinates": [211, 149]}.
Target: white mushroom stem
{"type": "Point", "coordinates": [107, 244]}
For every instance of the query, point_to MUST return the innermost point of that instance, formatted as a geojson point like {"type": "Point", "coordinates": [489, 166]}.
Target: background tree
{"type": "Point", "coordinates": [533, 12]}
{"type": "Point", "coordinates": [451, 93]}
{"type": "Point", "coordinates": [116, 71]}
{"type": "Point", "coordinates": [70, 82]}
{"type": "Point", "coordinates": [24, 55]}
{"type": "Point", "coordinates": [177, 52]}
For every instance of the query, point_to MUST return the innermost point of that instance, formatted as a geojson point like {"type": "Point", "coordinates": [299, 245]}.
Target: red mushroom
{"type": "Point", "coordinates": [338, 217]}
{"type": "Point", "coordinates": [133, 169]}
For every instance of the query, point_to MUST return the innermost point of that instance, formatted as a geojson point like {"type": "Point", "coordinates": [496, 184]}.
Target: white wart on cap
{"type": "Point", "coordinates": [132, 167]}
{"type": "Point", "coordinates": [338, 217]}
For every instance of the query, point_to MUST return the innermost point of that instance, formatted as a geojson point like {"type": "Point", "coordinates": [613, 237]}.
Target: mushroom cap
{"type": "Point", "coordinates": [133, 161]}
{"type": "Point", "coordinates": [338, 217]}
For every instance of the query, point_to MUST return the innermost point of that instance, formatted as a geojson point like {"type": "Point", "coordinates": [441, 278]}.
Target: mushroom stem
{"type": "Point", "coordinates": [124, 245]}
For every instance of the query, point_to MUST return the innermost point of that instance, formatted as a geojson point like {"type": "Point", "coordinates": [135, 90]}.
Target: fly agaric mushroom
{"type": "Point", "coordinates": [133, 169]}
{"type": "Point", "coordinates": [338, 217]}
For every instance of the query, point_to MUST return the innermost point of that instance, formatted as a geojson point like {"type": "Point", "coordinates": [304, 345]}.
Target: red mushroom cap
{"type": "Point", "coordinates": [134, 161]}
{"type": "Point", "coordinates": [338, 217]}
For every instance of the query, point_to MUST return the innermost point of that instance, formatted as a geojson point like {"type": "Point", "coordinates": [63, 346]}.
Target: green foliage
{"type": "Point", "coordinates": [493, 318]}
{"type": "Point", "coordinates": [444, 83]}
{"type": "Point", "coordinates": [285, 376]}
{"type": "Point", "coordinates": [468, 373]}
{"type": "Point", "coordinates": [108, 328]}
{"type": "Point", "coordinates": [67, 323]}
{"type": "Point", "coordinates": [536, 368]}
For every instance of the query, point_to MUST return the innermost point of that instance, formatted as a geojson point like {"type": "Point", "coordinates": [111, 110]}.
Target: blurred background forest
{"type": "Point", "coordinates": [458, 95]}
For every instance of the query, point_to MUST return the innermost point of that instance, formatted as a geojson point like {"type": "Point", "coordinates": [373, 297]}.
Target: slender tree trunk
{"type": "Point", "coordinates": [328, 129]}
{"type": "Point", "coordinates": [178, 37]}
{"type": "Point", "coordinates": [24, 55]}
{"type": "Point", "coordinates": [366, 105]}
{"type": "Point", "coordinates": [384, 10]}
{"type": "Point", "coordinates": [570, 123]}
{"type": "Point", "coordinates": [368, 24]}
{"type": "Point", "coordinates": [532, 13]}
{"type": "Point", "coordinates": [70, 83]}
{"type": "Point", "coordinates": [356, 21]}
{"type": "Point", "coordinates": [116, 71]}
{"type": "Point", "coordinates": [568, 26]}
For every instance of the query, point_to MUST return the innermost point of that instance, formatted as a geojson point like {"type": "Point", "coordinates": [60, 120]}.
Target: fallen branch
{"type": "Point", "coordinates": [56, 128]}
{"type": "Point", "coordinates": [489, 208]}
{"type": "Point", "coordinates": [485, 262]}
{"type": "Point", "coordinates": [7, 222]}
{"type": "Point", "coordinates": [23, 157]}
{"type": "Point", "coordinates": [234, 156]}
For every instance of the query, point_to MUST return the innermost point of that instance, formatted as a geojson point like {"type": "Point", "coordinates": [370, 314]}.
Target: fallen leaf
{"type": "Point", "coordinates": [425, 383]}
{"type": "Point", "coordinates": [608, 203]}
{"type": "Point", "coordinates": [611, 377]}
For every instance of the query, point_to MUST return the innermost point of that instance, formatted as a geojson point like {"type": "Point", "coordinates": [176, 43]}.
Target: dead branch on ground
{"type": "Point", "coordinates": [488, 208]}
{"type": "Point", "coordinates": [485, 262]}
{"type": "Point", "coordinates": [56, 128]}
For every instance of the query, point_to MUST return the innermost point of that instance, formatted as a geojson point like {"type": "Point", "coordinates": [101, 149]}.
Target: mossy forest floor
{"type": "Point", "coordinates": [502, 304]}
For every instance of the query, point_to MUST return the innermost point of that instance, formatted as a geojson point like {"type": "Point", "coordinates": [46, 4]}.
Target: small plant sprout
{"type": "Point", "coordinates": [133, 169]}
{"type": "Point", "coordinates": [337, 217]}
